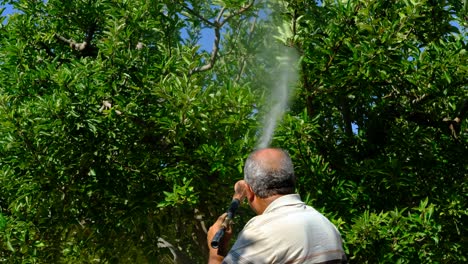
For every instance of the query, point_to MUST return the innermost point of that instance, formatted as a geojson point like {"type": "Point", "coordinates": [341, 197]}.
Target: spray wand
{"type": "Point", "coordinates": [239, 194]}
{"type": "Point", "coordinates": [226, 223]}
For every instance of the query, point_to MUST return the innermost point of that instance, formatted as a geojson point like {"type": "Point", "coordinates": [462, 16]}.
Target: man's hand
{"type": "Point", "coordinates": [240, 189]}
{"type": "Point", "coordinates": [217, 255]}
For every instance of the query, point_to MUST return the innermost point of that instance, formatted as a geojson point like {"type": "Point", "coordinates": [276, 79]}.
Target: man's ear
{"type": "Point", "coordinates": [249, 194]}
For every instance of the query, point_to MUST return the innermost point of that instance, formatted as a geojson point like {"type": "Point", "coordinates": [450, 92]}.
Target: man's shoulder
{"type": "Point", "coordinates": [295, 214]}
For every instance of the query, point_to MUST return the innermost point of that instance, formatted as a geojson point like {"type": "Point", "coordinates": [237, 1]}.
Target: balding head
{"type": "Point", "coordinates": [270, 171]}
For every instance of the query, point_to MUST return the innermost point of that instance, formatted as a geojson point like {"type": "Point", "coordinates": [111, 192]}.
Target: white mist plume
{"type": "Point", "coordinates": [282, 90]}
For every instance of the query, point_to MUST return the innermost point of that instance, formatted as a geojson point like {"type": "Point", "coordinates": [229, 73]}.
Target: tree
{"type": "Point", "coordinates": [387, 85]}
{"type": "Point", "coordinates": [115, 144]}
{"type": "Point", "coordinates": [120, 138]}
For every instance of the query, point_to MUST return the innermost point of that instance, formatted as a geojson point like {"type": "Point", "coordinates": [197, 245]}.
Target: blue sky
{"type": "Point", "coordinates": [8, 9]}
{"type": "Point", "coordinates": [206, 40]}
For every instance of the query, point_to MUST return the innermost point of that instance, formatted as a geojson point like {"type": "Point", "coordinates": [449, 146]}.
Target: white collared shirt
{"type": "Point", "coordinates": [288, 231]}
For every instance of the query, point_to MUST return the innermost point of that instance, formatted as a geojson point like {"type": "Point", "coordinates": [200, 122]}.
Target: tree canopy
{"type": "Point", "coordinates": [121, 136]}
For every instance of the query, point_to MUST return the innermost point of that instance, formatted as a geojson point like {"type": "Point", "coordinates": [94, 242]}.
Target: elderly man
{"type": "Point", "coordinates": [285, 229]}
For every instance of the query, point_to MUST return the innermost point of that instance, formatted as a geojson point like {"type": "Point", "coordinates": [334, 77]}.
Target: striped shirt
{"type": "Point", "coordinates": [288, 231]}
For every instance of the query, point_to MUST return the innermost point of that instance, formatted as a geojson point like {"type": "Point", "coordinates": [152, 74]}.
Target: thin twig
{"type": "Point", "coordinates": [220, 14]}
{"type": "Point", "coordinates": [199, 16]}
{"type": "Point", "coordinates": [244, 60]}
{"type": "Point", "coordinates": [240, 11]}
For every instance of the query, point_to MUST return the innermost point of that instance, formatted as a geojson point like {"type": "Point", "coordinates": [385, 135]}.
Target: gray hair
{"type": "Point", "coordinates": [266, 180]}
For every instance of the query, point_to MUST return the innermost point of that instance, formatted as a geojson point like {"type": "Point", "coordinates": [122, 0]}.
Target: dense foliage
{"type": "Point", "coordinates": [121, 136]}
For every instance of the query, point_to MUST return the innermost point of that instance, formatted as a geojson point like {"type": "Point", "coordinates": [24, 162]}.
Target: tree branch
{"type": "Point", "coordinates": [84, 46]}
{"type": "Point", "coordinates": [74, 45]}
{"type": "Point", "coordinates": [217, 25]}
{"type": "Point", "coordinates": [243, 61]}
{"type": "Point", "coordinates": [178, 256]}
{"type": "Point", "coordinates": [454, 125]}
{"type": "Point", "coordinates": [218, 18]}
{"type": "Point", "coordinates": [206, 21]}
{"type": "Point", "coordinates": [238, 12]}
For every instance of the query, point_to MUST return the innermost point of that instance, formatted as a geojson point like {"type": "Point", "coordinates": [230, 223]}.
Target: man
{"type": "Point", "coordinates": [285, 230]}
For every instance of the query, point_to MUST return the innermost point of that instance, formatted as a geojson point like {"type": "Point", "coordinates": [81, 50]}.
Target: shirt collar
{"type": "Point", "coordinates": [288, 199]}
